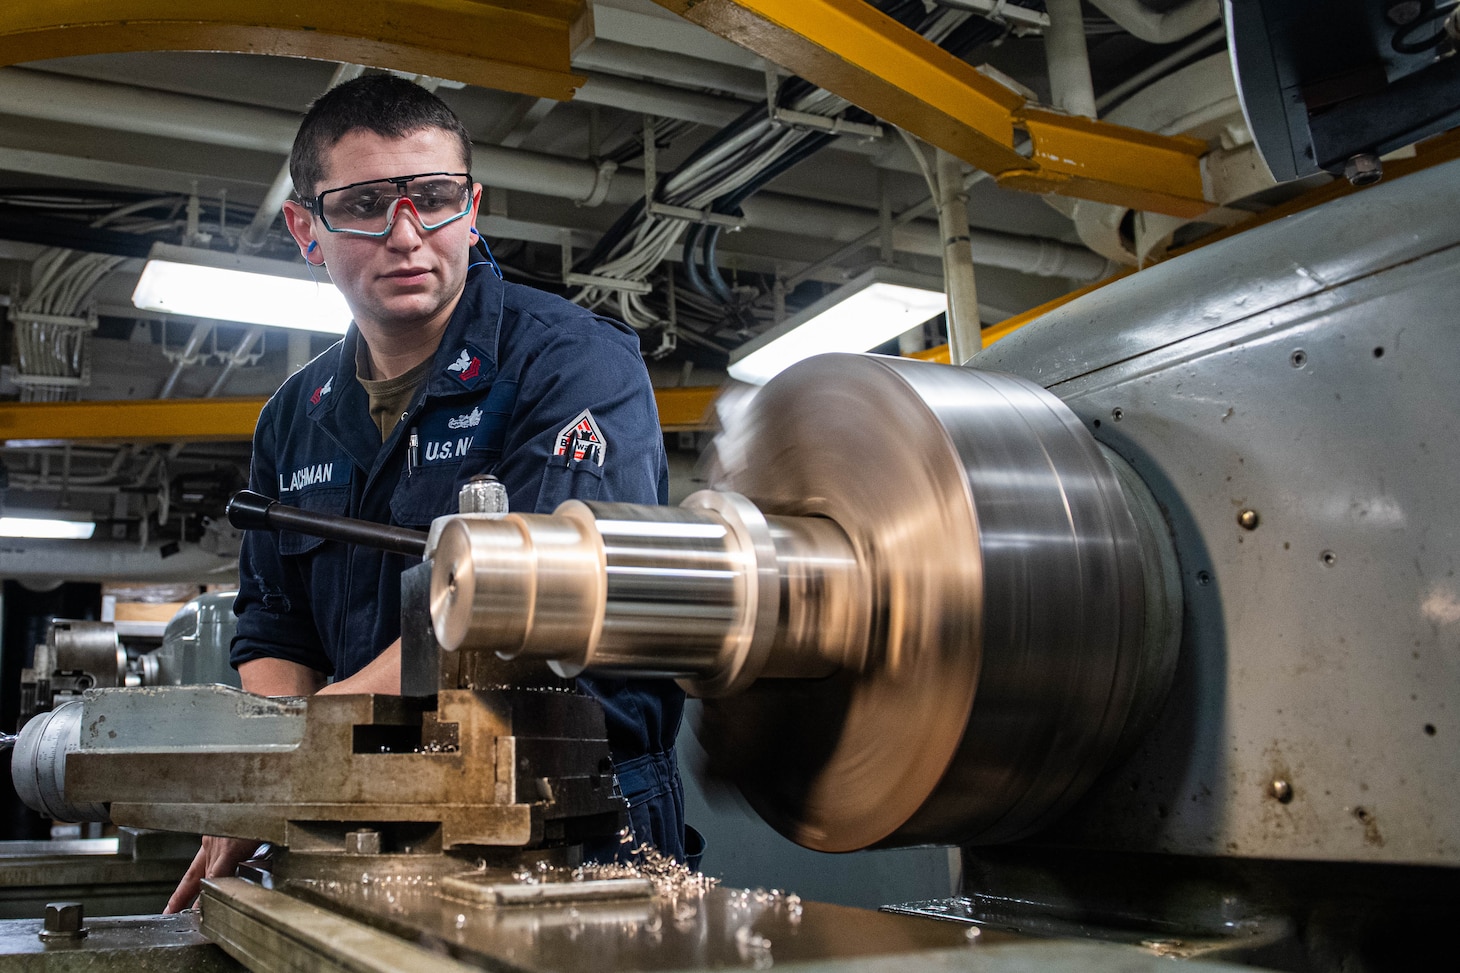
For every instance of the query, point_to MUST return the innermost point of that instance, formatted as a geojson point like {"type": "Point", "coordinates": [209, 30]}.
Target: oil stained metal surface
{"type": "Point", "coordinates": [116, 944]}
{"type": "Point", "coordinates": [690, 929]}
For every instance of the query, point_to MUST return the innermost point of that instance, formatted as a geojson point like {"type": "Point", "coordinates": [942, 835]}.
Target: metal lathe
{"type": "Point", "coordinates": [1152, 609]}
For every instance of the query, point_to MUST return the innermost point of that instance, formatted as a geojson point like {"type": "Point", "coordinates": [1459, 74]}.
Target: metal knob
{"type": "Point", "coordinates": [484, 495]}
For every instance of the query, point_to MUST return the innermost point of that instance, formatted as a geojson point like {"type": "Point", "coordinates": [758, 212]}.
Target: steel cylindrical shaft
{"type": "Point", "coordinates": [712, 591]}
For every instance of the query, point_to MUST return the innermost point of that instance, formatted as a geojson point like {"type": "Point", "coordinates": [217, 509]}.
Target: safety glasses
{"type": "Point", "coordinates": [370, 208]}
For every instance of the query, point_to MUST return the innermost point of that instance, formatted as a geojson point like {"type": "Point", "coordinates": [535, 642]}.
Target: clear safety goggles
{"type": "Point", "coordinates": [370, 208]}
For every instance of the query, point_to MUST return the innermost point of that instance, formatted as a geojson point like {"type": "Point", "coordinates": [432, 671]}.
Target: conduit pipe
{"type": "Point", "coordinates": [652, 99]}
{"type": "Point", "coordinates": [674, 68]}
{"type": "Point", "coordinates": [1070, 86]}
{"type": "Point", "coordinates": [186, 357]}
{"type": "Point", "coordinates": [842, 224]}
{"type": "Point", "coordinates": [1160, 28]}
{"type": "Point", "coordinates": [964, 338]}
{"type": "Point", "coordinates": [256, 234]}
{"type": "Point", "coordinates": [37, 94]}
{"type": "Point", "coordinates": [107, 561]}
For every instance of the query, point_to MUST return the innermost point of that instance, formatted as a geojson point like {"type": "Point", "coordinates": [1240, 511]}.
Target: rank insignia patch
{"type": "Point", "coordinates": [467, 368]}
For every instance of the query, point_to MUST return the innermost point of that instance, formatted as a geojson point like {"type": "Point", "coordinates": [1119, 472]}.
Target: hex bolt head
{"type": "Point", "coordinates": [1281, 790]}
{"type": "Point", "coordinates": [1363, 169]}
{"type": "Point", "coordinates": [365, 841]}
{"type": "Point", "coordinates": [62, 922]}
{"type": "Point", "coordinates": [1247, 519]}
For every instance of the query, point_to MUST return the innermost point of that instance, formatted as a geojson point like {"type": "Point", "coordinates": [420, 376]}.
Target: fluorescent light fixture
{"type": "Point", "coordinates": [233, 287]}
{"type": "Point", "coordinates": [867, 311]}
{"type": "Point", "coordinates": [45, 523]}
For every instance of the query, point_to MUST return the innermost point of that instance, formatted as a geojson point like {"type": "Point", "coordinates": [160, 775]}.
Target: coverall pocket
{"type": "Point", "coordinates": [424, 495]}
{"type": "Point", "coordinates": [581, 481]}
{"type": "Point", "coordinates": [315, 501]}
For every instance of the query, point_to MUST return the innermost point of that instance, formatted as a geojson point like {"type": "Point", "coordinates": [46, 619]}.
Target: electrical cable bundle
{"type": "Point", "coordinates": [726, 170]}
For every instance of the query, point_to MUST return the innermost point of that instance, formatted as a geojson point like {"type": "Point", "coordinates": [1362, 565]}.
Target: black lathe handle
{"type": "Point", "coordinates": [254, 511]}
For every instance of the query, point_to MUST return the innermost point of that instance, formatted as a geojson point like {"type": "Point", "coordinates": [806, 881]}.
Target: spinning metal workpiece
{"type": "Point", "coordinates": [924, 603]}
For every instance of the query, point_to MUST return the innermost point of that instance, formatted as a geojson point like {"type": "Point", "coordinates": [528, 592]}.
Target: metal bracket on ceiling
{"type": "Point", "coordinates": [807, 122]}
{"type": "Point", "coordinates": [664, 211]}
{"type": "Point", "coordinates": [574, 279]}
{"type": "Point", "coordinates": [1023, 20]}
{"type": "Point", "coordinates": [669, 336]}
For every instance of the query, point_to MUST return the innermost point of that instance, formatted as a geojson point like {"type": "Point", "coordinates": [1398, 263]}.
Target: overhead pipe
{"type": "Point", "coordinates": [256, 234]}
{"type": "Point", "coordinates": [104, 561]}
{"type": "Point", "coordinates": [645, 98]}
{"type": "Point", "coordinates": [671, 67]}
{"type": "Point", "coordinates": [236, 359]}
{"type": "Point", "coordinates": [842, 224]}
{"type": "Point", "coordinates": [1162, 67]}
{"type": "Point", "coordinates": [1160, 28]}
{"type": "Point", "coordinates": [38, 94]}
{"type": "Point", "coordinates": [186, 357]}
{"type": "Point", "coordinates": [1071, 88]}
{"type": "Point", "coordinates": [55, 97]}
{"type": "Point", "coordinates": [964, 338]}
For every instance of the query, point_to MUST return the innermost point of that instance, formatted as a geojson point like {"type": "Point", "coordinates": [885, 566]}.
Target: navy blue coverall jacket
{"type": "Point", "coordinates": [551, 399]}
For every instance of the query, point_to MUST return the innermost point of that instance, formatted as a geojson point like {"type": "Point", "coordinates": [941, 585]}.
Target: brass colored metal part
{"type": "Point", "coordinates": [850, 48]}
{"type": "Point", "coordinates": [506, 44]}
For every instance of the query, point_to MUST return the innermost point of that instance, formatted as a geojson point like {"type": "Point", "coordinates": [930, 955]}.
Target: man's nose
{"type": "Point", "coordinates": [404, 232]}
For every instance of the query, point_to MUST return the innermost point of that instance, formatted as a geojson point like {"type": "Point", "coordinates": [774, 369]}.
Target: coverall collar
{"type": "Point", "coordinates": [344, 410]}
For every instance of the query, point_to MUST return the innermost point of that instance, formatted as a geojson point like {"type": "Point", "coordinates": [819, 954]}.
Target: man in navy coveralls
{"type": "Point", "coordinates": [446, 371]}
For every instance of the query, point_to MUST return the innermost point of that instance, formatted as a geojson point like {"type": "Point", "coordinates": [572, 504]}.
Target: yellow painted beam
{"type": "Point", "coordinates": [131, 421]}
{"type": "Point", "coordinates": [1438, 149]}
{"type": "Point", "coordinates": [1111, 164]}
{"type": "Point", "coordinates": [514, 45]}
{"type": "Point", "coordinates": [686, 409]}
{"type": "Point", "coordinates": [229, 420]}
{"type": "Point", "coordinates": [850, 48]}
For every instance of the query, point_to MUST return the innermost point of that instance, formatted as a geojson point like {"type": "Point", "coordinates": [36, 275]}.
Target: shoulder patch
{"type": "Point", "coordinates": [581, 440]}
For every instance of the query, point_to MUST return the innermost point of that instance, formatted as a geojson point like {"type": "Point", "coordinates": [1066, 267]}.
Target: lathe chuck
{"type": "Point", "coordinates": [1011, 574]}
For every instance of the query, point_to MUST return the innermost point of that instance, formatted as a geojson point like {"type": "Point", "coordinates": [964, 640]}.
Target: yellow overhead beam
{"type": "Point", "coordinates": [131, 421]}
{"type": "Point", "coordinates": [515, 45]}
{"type": "Point", "coordinates": [854, 50]}
{"type": "Point", "coordinates": [686, 409]}
{"type": "Point", "coordinates": [229, 420]}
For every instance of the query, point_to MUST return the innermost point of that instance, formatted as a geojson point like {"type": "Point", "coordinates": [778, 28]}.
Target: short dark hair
{"type": "Point", "coordinates": [385, 104]}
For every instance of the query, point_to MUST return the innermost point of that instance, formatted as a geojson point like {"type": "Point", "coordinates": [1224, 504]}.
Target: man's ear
{"type": "Point", "coordinates": [301, 225]}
